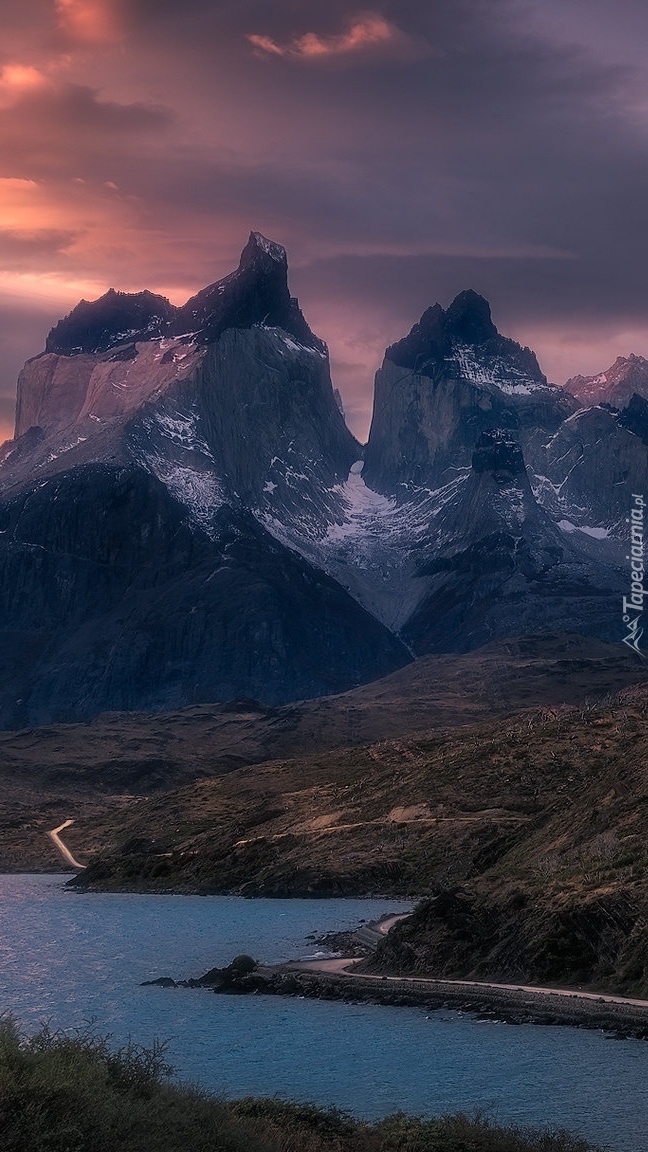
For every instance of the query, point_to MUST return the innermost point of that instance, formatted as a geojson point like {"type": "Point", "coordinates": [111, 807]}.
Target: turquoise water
{"type": "Point", "coordinates": [70, 958]}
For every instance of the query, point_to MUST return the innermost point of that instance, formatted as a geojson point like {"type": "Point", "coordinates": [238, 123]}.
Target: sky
{"type": "Point", "coordinates": [401, 152]}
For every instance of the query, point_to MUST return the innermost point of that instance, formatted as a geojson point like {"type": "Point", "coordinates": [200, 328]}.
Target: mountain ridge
{"type": "Point", "coordinates": [214, 430]}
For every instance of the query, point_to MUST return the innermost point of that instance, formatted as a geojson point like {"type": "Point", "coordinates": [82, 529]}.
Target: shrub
{"type": "Point", "coordinates": [61, 1093]}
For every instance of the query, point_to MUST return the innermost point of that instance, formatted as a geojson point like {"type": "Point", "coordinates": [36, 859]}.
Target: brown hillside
{"type": "Point", "coordinates": [48, 774]}
{"type": "Point", "coordinates": [532, 832]}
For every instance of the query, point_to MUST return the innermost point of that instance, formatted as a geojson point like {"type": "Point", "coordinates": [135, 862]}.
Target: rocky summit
{"type": "Point", "coordinates": [453, 377]}
{"type": "Point", "coordinates": [617, 385]}
{"type": "Point", "coordinates": [185, 517]}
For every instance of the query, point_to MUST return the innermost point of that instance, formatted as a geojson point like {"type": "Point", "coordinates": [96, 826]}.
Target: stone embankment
{"type": "Point", "coordinates": [489, 1002]}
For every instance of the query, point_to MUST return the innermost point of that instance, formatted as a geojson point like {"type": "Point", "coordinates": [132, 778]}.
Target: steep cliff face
{"type": "Point", "coordinates": [587, 470]}
{"type": "Point", "coordinates": [617, 385]}
{"type": "Point", "coordinates": [184, 514]}
{"type": "Point", "coordinates": [111, 597]}
{"type": "Point", "coordinates": [133, 573]}
{"type": "Point", "coordinates": [452, 378]}
{"type": "Point", "coordinates": [73, 395]}
{"type": "Point", "coordinates": [496, 565]}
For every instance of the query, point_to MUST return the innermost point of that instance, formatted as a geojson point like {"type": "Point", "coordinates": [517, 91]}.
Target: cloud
{"type": "Point", "coordinates": [366, 33]}
{"type": "Point", "coordinates": [516, 163]}
{"type": "Point", "coordinates": [16, 79]}
{"type": "Point", "coordinates": [88, 22]}
{"type": "Point", "coordinates": [21, 248]}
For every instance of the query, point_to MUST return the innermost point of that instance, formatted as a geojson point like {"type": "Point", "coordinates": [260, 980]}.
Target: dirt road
{"type": "Point", "coordinates": [60, 846]}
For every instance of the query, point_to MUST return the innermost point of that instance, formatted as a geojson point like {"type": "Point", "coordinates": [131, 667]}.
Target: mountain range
{"type": "Point", "coordinates": [185, 517]}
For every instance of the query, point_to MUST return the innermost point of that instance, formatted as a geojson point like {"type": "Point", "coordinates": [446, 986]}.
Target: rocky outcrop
{"type": "Point", "coordinates": [598, 940]}
{"type": "Point", "coordinates": [452, 378]}
{"type": "Point", "coordinates": [496, 564]}
{"type": "Point", "coordinates": [586, 472]}
{"type": "Point", "coordinates": [617, 385]}
{"type": "Point", "coordinates": [635, 417]}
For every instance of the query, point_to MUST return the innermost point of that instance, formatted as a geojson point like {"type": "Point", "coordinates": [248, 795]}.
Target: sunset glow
{"type": "Point", "coordinates": [365, 33]}
{"type": "Point", "coordinates": [89, 21]}
{"type": "Point", "coordinates": [400, 155]}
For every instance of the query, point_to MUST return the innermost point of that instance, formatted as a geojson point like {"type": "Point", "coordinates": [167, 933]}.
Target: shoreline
{"type": "Point", "coordinates": [335, 978]}
{"type": "Point", "coordinates": [504, 1003]}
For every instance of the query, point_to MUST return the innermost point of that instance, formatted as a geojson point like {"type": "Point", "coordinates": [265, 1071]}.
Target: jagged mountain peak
{"type": "Point", "coordinates": [468, 319]}
{"type": "Point", "coordinates": [616, 385]}
{"type": "Point", "coordinates": [255, 293]}
{"type": "Point", "coordinates": [97, 325]}
{"type": "Point", "coordinates": [451, 378]}
{"type": "Point", "coordinates": [464, 337]}
{"type": "Point", "coordinates": [109, 356]}
{"type": "Point", "coordinates": [260, 249]}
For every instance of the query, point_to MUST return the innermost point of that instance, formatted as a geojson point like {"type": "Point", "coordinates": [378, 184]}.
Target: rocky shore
{"type": "Point", "coordinates": [507, 1005]}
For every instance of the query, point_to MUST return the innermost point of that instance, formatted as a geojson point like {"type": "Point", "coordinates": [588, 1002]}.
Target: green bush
{"type": "Point", "coordinates": [75, 1094]}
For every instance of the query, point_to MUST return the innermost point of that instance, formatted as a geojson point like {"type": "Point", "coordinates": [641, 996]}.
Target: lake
{"type": "Point", "coordinates": [69, 958]}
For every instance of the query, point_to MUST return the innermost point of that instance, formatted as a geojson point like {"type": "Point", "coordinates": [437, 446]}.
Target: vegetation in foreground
{"type": "Point", "coordinates": [73, 1094]}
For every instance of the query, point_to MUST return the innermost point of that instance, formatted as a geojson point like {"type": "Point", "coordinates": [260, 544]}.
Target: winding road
{"type": "Point", "coordinates": [60, 846]}
{"type": "Point", "coordinates": [343, 966]}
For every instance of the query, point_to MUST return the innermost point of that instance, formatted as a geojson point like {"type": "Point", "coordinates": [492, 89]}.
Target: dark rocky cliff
{"type": "Point", "coordinates": [452, 378]}
{"type": "Point", "coordinates": [111, 599]}
{"type": "Point", "coordinates": [587, 470]}
{"type": "Point", "coordinates": [497, 565]}
{"type": "Point", "coordinates": [133, 573]}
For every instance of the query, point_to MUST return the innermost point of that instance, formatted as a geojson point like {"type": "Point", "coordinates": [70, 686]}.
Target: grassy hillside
{"type": "Point", "coordinates": [74, 1095]}
{"type": "Point", "coordinates": [48, 774]}
{"type": "Point", "coordinates": [532, 833]}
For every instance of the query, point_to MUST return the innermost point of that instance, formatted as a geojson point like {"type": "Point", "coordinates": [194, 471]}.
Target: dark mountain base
{"type": "Point", "coordinates": [89, 770]}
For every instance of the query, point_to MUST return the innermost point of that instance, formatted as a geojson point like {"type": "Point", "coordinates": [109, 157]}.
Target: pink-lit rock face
{"type": "Point", "coordinates": [56, 392]}
{"type": "Point", "coordinates": [52, 391]}
{"type": "Point", "coordinates": [118, 385]}
{"type": "Point", "coordinates": [617, 385]}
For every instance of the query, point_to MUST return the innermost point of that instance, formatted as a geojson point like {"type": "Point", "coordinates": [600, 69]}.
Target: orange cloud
{"type": "Point", "coordinates": [367, 32]}
{"type": "Point", "coordinates": [16, 80]}
{"type": "Point", "coordinates": [88, 21]}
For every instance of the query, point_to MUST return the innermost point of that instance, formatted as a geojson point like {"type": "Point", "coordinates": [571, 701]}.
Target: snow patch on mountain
{"type": "Point", "coordinates": [181, 427]}
{"type": "Point", "coordinates": [198, 490]}
{"type": "Point", "coordinates": [174, 451]}
{"type": "Point", "coordinates": [285, 341]}
{"type": "Point", "coordinates": [275, 251]}
{"type": "Point", "coordinates": [366, 512]}
{"type": "Point", "coordinates": [369, 544]}
{"type": "Point", "coordinates": [491, 371]}
{"type": "Point", "coordinates": [595, 533]}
